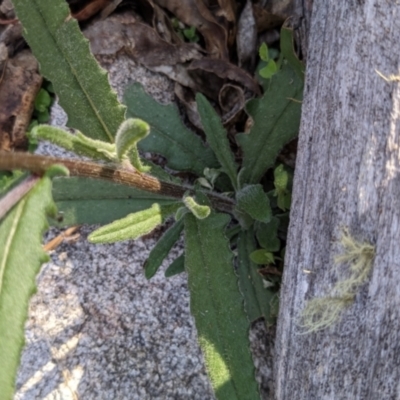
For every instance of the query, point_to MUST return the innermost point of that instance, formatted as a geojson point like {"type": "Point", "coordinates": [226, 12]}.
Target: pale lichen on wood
{"type": "Point", "coordinates": [323, 312]}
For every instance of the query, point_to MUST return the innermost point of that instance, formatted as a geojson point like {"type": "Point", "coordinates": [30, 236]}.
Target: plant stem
{"type": "Point", "coordinates": [39, 164]}
{"type": "Point", "coordinates": [16, 194]}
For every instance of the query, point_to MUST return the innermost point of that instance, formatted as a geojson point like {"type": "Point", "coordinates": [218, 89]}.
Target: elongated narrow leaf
{"type": "Point", "coordinates": [161, 249]}
{"type": "Point", "coordinates": [134, 225]}
{"type": "Point", "coordinates": [217, 137]}
{"type": "Point", "coordinates": [169, 137]}
{"type": "Point", "coordinates": [217, 306]}
{"type": "Point", "coordinates": [259, 301]}
{"type": "Point", "coordinates": [96, 201]}
{"type": "Point", "coordinates": [276, 119]}
{"type": "Point", "coordinates": [176, 267]}
{"type": "Point", "coordinates": [254, 201]}
{"type": "Point", "coordinates": [21, 256]}
{"type": "Point", "coordinates": [65, 59]}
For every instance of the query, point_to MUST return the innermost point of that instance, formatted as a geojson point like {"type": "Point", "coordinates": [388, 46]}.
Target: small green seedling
{"type": "Point", "coordinates": [268, 55]}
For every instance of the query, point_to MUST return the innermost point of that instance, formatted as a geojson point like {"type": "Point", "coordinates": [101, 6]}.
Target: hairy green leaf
{"type": "Point", "coordinates": [198, 210]}
{"type": "Point", "coordinates": [267, 235]}
{"type": "Point", "coordinates": [77, 143]}
{"type": "Point", "coordinates": [65, 59]}
{"type": "Point", "coordinates": [96, 201]}
{"type": "Point", "coordinates": [217, 306]}
{"type": "Point", "coordinates": [169, 137]}
{"type": "Point", "coordinates": [176, 267]}
{"type": "Point", "coordinates": [217, 137]}
{"type": "Point", "coordinates": [161, 249]}
{"type": "Point", "coordinates": [21, 256]}
{"type": "Point", "coordinates": [133, 226]}
{"type": "Point", "coordinates": [259, 301]}
{"type": "Point", "coordinates": [254, 201]}
{"type": "Point", "coordinates": [276, 121]}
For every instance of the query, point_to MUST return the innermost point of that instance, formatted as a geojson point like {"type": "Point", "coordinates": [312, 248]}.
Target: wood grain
{"type": "Point", "coordinates": [347, 175]}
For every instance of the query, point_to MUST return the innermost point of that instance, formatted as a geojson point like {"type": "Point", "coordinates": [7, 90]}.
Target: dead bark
{"type": "Point", "coordinates": [347, 176]}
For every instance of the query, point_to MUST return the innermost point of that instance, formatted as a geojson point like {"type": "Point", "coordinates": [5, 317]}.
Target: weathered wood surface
{"type": "Point", "coordinates": [347, 175]}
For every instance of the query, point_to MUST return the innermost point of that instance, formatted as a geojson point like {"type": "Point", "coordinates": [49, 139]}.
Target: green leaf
{"type": "Point", "coordinates": [259, 301]}
{"type": "Point", "coordinates": [254, 201]}
{"type": "Point", "coordinates": [176, 267]}
{"type": "Point", "coordinates": [288, 52]}
{"type": "Point", "coordinates": [217, 306]}
{"type": "Point", "coordinates": [281, 177]}
{"type": "Point", "coordinates": [96, 201]}
{"type": "Point", "coordinates": [276, 121]}
{"type": "Point", "coordinates": [263, 52]}
{"type": "Point", "coordinates": [267, 235]}
{"type": "Point", "coordinates": [198, 210]}
{"type": "Point", "coordinates": [269, 70]}
{"type": "Point", "coordinates": [78, 143]}
{"type": "Point", "coordinates": [262, 257]}
{"type": "Point", "coordinates": [21, 256]}
{"type": "Point", "coordinates": [129, 134]}
{"type": "Point", "coordinates": [65, 59]}
{"type": "Point", "coordinates": [217, 137]}
{"type": "Point", "coordinates": [134, 225]}
{"type": "Point", "coordinates": [161, 249]}
{"type": "Point", "coordinates": [42, 101]}
{"type": "Point", "coordinates": [169, 137]}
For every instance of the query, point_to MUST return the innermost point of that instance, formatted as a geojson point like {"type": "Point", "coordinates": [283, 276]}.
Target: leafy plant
{"type": "Point", "coordinates": [227, 292]}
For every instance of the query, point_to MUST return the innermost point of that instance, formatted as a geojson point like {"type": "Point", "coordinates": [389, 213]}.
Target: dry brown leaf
{"type": "Point", "coordinates": [225, 70]}
{"type": "Point", "coordinates": [195, 13]}
{"type": "Point", "coordinates": [186, 97]}
{"type": "Point", "coordinates": [231, 100]}
{"type": "Point", "coordinates": [91, 9]}
{"type": "Point", "coordinates": [18, 90]}
{"type": "Point", "coordinates": [247, 38]}
{"type": "Point", "coordinates": [140, 41]}
{"type": "Point", "coordinates": [265, 20]}
{"type": "Point", "coordinates": [228, 11]}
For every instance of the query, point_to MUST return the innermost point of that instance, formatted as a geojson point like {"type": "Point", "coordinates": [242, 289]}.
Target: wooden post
{"type": "Point", "coordinates": [347, 176]}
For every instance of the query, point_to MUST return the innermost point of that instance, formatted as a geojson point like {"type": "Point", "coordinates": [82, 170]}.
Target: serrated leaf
{"type": "Point", "coordinates": [21, 256]}
{"type": "Point", "coordinates": [217, 137]}
{"type": "Point", "coordinates": [161, 249]}
{"type": "Point", "coordinates": [276, 121]}
{"type": "Point", "coordinates": [267, 235]}
{"type": "Point", "coordinates": [259, 301]}
{"type": "Point", "coordinates": [169, 137]}
{"type": "Point", "coordinates": [176, 267]}
{"type": "Point", "coordinates": [134, 225]}
{"type": "Point", "coordinates": [286, 45]}
{"type": "Point", "coordinates": [254, 201]}
{"type": "Point", "coordinates": [217, 306]}
{"type": "Point", "coordinates": [65, 59]}
{"type": "Point", "coordinates": [96, 201]}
